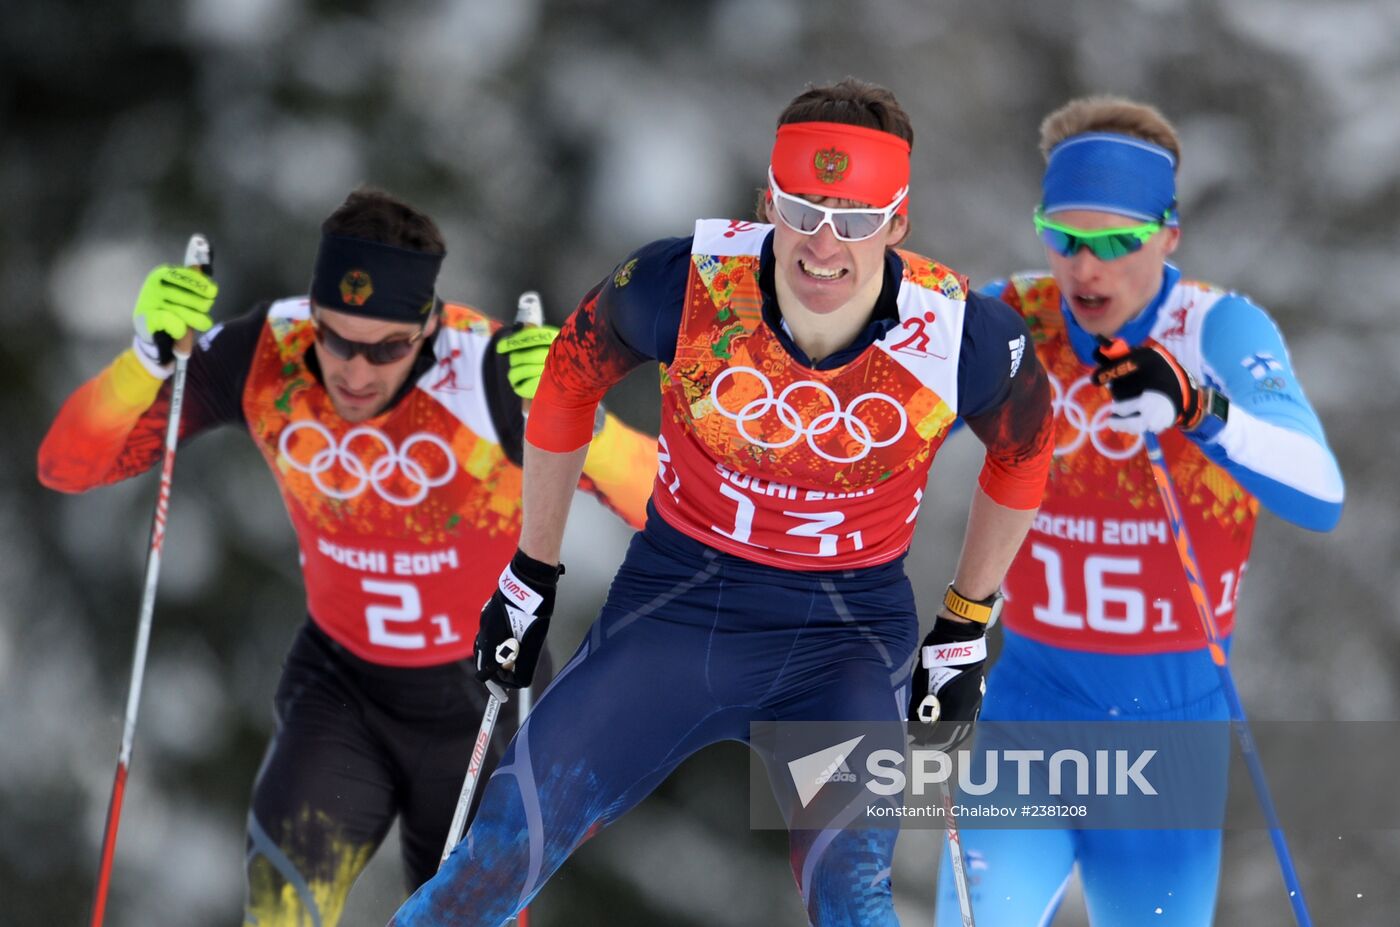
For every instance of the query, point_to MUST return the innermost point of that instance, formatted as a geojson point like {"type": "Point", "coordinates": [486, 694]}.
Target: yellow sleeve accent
{"type": "Point", "coordinates": [93, 429]}
{"type": "Point", "coordinates": [132, 386]}
{"type": "Point", "coordinates": [620, 469]}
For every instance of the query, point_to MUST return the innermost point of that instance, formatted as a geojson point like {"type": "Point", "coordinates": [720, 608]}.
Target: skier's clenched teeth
{"type": "Point", "coordinates": [822, 273]}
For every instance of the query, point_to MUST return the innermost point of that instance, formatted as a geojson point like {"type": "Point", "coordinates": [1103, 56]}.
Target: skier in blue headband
{"type": "Point", "coordinates": [1099, 624]}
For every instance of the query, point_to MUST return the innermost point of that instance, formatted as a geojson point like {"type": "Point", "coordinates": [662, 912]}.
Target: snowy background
{"type": "Point", "coordinates": [549, 139]}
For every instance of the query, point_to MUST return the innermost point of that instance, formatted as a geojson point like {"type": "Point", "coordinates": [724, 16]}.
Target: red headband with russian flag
{"type": "Point", "coordinates": [843, 161]}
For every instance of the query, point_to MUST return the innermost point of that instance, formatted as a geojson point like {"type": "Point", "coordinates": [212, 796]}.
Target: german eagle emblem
{"type": "Point", "coordinates": [356, 288]}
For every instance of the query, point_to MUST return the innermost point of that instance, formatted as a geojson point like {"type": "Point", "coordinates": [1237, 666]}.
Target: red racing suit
{"type": "Point", "coordinates": [798, 466]}
{"type": "Point", "coordinates": [404, 520]}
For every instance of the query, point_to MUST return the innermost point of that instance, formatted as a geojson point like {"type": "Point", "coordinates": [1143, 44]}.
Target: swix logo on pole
{"type": "Point", "coordinates": [162, 501]}
{"type": "Point", "coordinates": [478, 753]}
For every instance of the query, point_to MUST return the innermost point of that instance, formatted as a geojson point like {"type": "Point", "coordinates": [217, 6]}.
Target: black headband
{"type": "Point", "coordinates": [373, 279]}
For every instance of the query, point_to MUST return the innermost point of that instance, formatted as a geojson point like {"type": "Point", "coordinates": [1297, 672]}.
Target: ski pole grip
{"type": "Point", "coordinates": [1113, 348]}
{"type": "Point", "coordinates": [199, 254]}
{"type": "Point", "coordinates": [930, 709]}
{"type": "Point", "coordinates": [1113, 351]}
{"type": "Point", "coordinates": [529, 309]}
{"type": "Point", "coordinates": [506, 653]}
{"type": "Point", "coordinates": [529, 313]}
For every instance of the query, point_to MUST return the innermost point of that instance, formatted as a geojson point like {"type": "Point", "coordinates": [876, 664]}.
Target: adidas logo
{"type": "Point", "coordinates": [1018, 348]}
{"type": "Point", "coordinates": [811, 772]}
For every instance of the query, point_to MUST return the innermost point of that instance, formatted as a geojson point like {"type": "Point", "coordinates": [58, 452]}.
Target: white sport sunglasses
{"type": "Point", "coordinates": [807, 218]}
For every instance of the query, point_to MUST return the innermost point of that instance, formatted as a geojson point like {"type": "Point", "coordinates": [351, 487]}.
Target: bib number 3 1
{"type": "Point", "coordinates": [811, 525]}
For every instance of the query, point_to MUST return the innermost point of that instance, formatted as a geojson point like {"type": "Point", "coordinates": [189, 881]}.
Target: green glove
{"type": "Point", "coordinates": [526, 348]}
{"type": "Point", "coordinates": [172, 300]}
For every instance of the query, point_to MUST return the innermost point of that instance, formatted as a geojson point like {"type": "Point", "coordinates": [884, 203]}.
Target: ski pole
{"type": "Point", "coordinates": [523, 703]}
{"type": "Point", "coordinates": [198, 253]}
{"type": "Point", "coordinates": [955, 856]}
{"type": "Point", "coordinates": [529, 311]}
{"type": "Point", "coordinates": [505, 655]}
{"type": "Point", "coordinates": [1191, 566]}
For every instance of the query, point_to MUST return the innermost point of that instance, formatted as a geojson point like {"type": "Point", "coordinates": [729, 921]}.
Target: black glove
{"type": "Point", "coordinates": [947, 688]}
{"type": "Point", "coordinates": [515, 620]}
{"type": "Point", "coordinates": [1151, 390]}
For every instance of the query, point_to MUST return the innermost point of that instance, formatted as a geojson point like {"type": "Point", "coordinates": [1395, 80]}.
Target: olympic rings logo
{"type": "Point", "coordinates": [375, 474]}
{"type": "Point", "coordinates": [1087, 428]}
{"type": "Point", "coordinates": [791, 418]}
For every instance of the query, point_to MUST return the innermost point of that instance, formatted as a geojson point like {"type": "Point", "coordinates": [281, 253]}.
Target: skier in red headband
{"type": "Point", "coordinates": [811, 371]}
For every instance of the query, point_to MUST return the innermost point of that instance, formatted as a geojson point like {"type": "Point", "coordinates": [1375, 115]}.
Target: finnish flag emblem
{"type": "Point", "coordinates": [1261, 365]}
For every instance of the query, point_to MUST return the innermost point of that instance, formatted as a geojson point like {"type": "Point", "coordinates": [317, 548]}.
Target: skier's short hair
{"type": "Point", "coordinates": [1103, 113]}
{"type": "Point", "coordinates": [850, 101]}
{"type": "Point", "coordinates": [370, 214]}
{"type": "Point", "coordinates": [853, 102]}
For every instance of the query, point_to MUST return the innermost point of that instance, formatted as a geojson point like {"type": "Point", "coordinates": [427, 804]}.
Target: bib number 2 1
{"type": "Point", "coordinates": [389, 623]}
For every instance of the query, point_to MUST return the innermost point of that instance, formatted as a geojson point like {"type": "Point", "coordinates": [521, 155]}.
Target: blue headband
{"type": "Point", "coordinates": [1106, 172]}
{"type": "Point", "coordinates": [373, 279]}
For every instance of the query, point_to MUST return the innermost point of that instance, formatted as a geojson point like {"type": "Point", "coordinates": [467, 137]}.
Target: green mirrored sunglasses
{"type": "Point", "coordinates": [1105, 244]}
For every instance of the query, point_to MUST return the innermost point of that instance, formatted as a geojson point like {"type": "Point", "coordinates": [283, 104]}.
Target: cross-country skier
{"type": "Point", "coordinates": [1100, 625]}
{"type": "Point", "coordinates": [811, 372]}
{"type": "Point", "coordinates": [392, 424]}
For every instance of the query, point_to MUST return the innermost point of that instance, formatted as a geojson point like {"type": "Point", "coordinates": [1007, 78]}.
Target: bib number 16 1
{"type": "Point", "coordinates": [1111, 606]}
